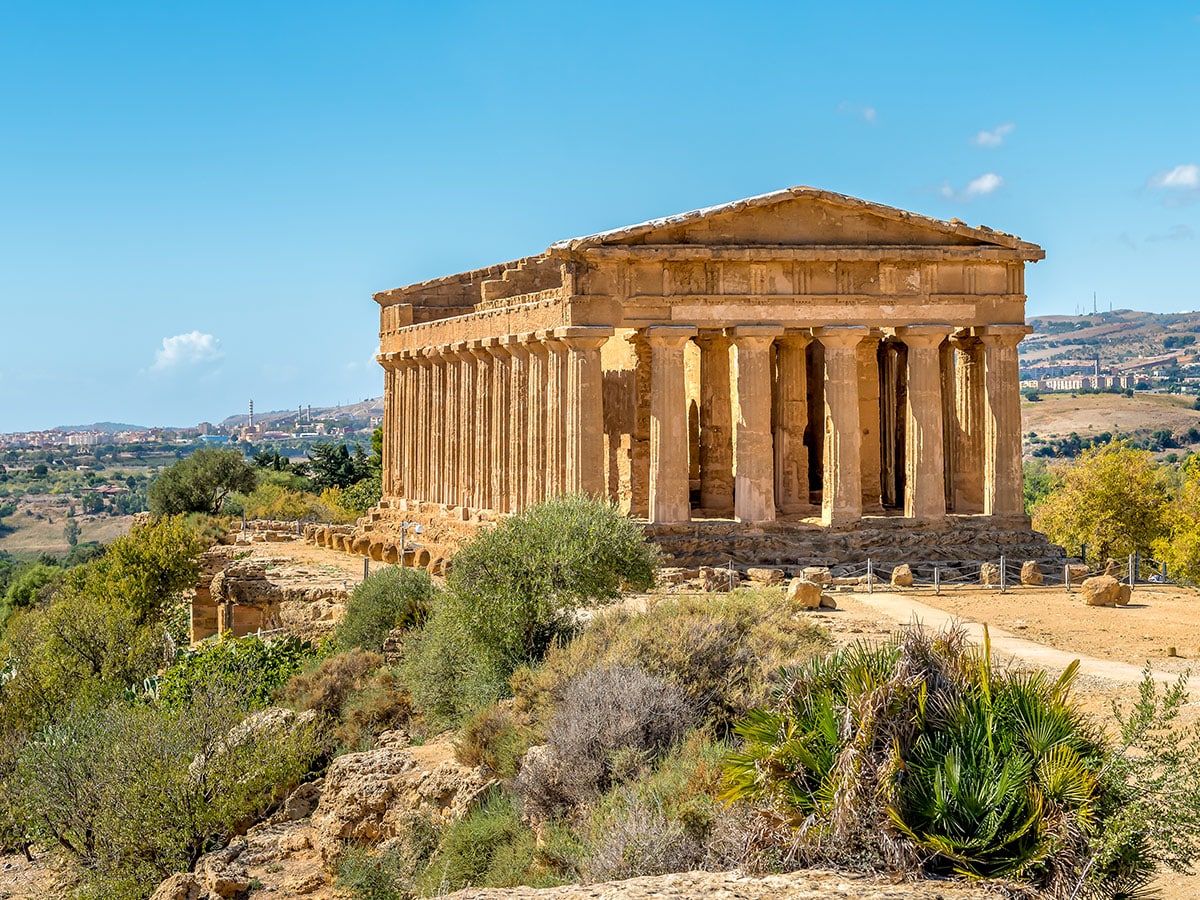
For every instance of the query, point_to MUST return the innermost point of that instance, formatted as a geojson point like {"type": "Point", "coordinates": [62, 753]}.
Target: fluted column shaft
{"type": "Point", "coordinates": [422, 436]}
{"type": "Point", "coordinates": [538, 365]}
{"type": "Point", "coordinates": [584, 438]}
{"type": "Point", "coordinates": [1003, 493]}
{"type": "Point", "coordinates": [924, 473]}
{"type": "Point", "coordinates": [466, 415]}
{"type": "Point", "coordinates": [482, 491]}
{"type": "Point", "coordinates": [639, 440]}
{"type": "Point", "coordinates": [668, 424]}
{"type": "Point", "coordinates": [501, 424]}
{"type": "Point", "coordinates": [716, 424]}
{"type": "Point", "coordinates": [791, 456]}
{"type": "Point", "coordinates": [870, 456]}
{"type": "Point", "coordinates": [391, 380]}
{"type": "Point", "coordinates": [841, 494]}
{"type": "Point", "coordinates": [453, 440]}
{"type": "Point", "coordinates": [408, 426]}
{"type": "Point", "coordinates": [556, 418]}
{"type": "Point", "coordinates": [969, 430]}
{"type": "Point", "coordinates": [518, 429]}
{"type": "Point", "coordinates": [754, 460]}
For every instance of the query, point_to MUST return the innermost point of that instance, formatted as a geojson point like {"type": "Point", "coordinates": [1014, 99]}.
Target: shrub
{"type": "Point", "coordinates": [494, 739]}
{"type": "Point", "coordinates": [276, 501]}
{"type": "Point", "coordinates": [722, 651]}
{"type": "Point", "coordinates": [515, 589]}
{"type": "Point", "coordinates": [250, 668]}
{"type": "Point", "coordinates": [135, 792]}
{"type": "Point", "coordinates": [201, 482]}
{"type": "Point", "coordinates": [488, 847]}
{"type": "Point", "coordinates": [392, 597]}
{"type": "Point", "coordinates": [361, 696]}
{"type": "Point", "coordinates": [916, 754]}
{"type": "Point", "coordinates": [367, 874]}
{"type": "Point", "coordinates": [610, 725]}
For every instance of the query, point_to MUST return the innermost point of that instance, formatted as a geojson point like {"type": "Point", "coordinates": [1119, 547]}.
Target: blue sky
{"type": "Point", "coordinates": [198, 199]}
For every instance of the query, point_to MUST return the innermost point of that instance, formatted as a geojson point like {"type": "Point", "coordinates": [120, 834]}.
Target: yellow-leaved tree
{"type": "Point", "coordinates": [1112, 498]}
{"type": "Point", "coordinates": [1179, 546]}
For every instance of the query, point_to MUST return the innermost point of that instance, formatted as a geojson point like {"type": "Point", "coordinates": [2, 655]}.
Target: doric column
{"type": "Point", "coordinates": [440, 425]}
{"type": "Point", "coordinates": [924, 459]}
{"type": "Point", "coordinates": [584, 438]}
{"type": "Point", "coordinates": [969, 423]}
{"type": "Point", "coordinates": [716, 423]}
{"type": "Point", "coordinates": [501, 422]}
{"type": "Point", "coordinates": [668, 424]}
{"type": "Point", "coordinates": [408, 425]}
{"type": "Point", "coordinates": [868, 421]}
{"type": "Point", "coordinates": [538, 365]}
{"type": "Point", "coordinates": [791, 456]}
{"type": "Point", "coordinates": [754, 460]}
{"type": "Point", "coordinates": [1003, 490]}
{"type": "Point", "coordinates": [391, 372]}
{"type": "Point", "coordinates": [453, 443]}
{"type": "Point", "coordinates": [466, 417]}
{"type": "Point", "coordinates": [556, 419]}
{"type": "Point", "coordinates": [482, 488]}
{"type": "Point", "coordinates": [841, 493]}
{"type": "Point", "coordinates": [639, 439]}
{"type": "Point", "coordinates": [421, 438]}
{"type": "Point", "coordinates": [518, 429]}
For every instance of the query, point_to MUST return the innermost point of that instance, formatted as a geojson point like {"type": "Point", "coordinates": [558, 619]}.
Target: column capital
{"type": "Point", "coordinates": [670, 336]}
{"type": "Point", "coordinates": [923, 335]}
{"type": "Point", "coordinates": [1003, 335]}
{"type": "Point", "coordinates": [840, 335]}
{"type": "Point", "coordinates": [796, 337]}
{"type": "Point", "coordinates": [514, 345]}
{"type": "Point", "coordinates": [765, 330]}
{"type": "Point", "coordinates": [584, 337]}
{"type": "Point", "coordinates": [432, 353]}
{"type": "Point", "coordinates": [963, 339]}
{"type": "Point", "coordinates": [712, 337]}
{"type": "Point", "coordinates": [527, 337]}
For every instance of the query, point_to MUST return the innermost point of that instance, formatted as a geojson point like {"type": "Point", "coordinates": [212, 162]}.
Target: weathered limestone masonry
{"type": "Point", "coordinates": [756, 374]}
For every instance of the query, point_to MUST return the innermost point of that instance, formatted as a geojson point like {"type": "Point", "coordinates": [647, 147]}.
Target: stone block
{"type": "Point", "coordinates": [1101, 590]}
{"type": "Point", "coordinates": [1113, 569]}
{"type": "Point", "coordinates": [1124, 594]}
{"type": "Point", "coordinates": [1030, 573]}
{"type": "Point", "coordinates": [765, 576]}
{"type": "Point", "coordinates": [828, 602]}
{"type": "Point", "coordinates": [803, 594]}
{"type": "Point", "coordinates": [989, 575]}
{"type": "Point", "coordinates": [817, 574]}
{"type": "Point", "coordinates": [902, 575]}
{"type": "Point", "coordinates": [1077, 572]}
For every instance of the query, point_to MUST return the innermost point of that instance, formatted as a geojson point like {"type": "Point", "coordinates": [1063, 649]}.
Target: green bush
{"type": "Point", "coordinates": [250, 668]}
{"type": "Point", "coordinates": [495, 739]}
{"type": "Point", "coordinates": [916, 755]}
{"type": "Point", "coordinates": [134, 792]}
{"type": "Point", "coordinates": [201, 482]}
{"type": "Point", "coordinates": [488, 847]}
{"type": "Point", "coordinates": [392, 597]}
{"type": "Point", "coordinates": [515, 591]}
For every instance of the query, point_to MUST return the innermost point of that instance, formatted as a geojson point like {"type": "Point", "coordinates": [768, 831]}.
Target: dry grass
{"type": "Point", "coordinates": [1057, 415]}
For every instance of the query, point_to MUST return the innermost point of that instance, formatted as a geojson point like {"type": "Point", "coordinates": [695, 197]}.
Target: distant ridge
{"type": "Point", "coordinates": [104, 427]}
{"type": "Point", "coordinates": [362, 410]}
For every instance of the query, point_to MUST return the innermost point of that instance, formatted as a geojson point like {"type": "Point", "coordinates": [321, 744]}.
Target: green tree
{"type": "Point", "coordinates": [71, 531]}
{"type": "Point", "coordinates": [1113, 498]}
{"type": "Point", "coordinates": [336, 465]}
{"type": "Point", "coordinates": [201, 482]}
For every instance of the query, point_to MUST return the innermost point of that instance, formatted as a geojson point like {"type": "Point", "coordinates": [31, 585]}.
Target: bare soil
{"type": "Point", "coordinates": [1057, 415]}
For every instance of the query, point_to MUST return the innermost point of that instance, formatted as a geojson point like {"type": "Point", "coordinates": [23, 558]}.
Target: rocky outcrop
{"type": "Point", "coordinates": [805, 885]}
{"type": "Point", "coordinates": [373, 797]}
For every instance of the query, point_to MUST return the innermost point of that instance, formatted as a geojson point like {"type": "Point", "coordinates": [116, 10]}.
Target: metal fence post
{"type": "Point", "coordinates": [937, 580]}
{"type": "Point", "coordinates": [870, 576]}
{"type": "Point", "coordinates": [1003, 586]}
{"type": "Point", "coordinates": [366, 567]}
{"type": "Point", "coordinates": [1067, 576]}
{"type": "Point", "coordinates": [1132, 577]}
{"type": "Point", "coordinates": [1163, 573]}
{"type": "Point", "coordinates": [1137, 564]}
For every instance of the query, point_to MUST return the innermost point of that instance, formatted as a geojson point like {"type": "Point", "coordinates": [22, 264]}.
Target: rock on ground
{"type": "Point", "coordinates": [1101, 590]}
{"type": "Point", "coordinates": [902, 575]}
{"type": "Point", "coordinates": [1031, 573]}
{"type": "Point", "coordinates": [372, 797]}
{"type": "Point", "coordinates": [805, 885]}
{"type": "Point", "coordinates": [803, 594]}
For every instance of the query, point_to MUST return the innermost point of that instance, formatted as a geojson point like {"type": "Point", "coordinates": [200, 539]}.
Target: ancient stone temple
{"type": "Point", "coordinates": [798, 363]}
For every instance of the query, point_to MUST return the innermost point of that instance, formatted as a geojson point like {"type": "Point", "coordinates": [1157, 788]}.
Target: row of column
{"type": "Point", "coordinates": [768, 458]}
{"type": "Point", "coordinates": [500, 423]}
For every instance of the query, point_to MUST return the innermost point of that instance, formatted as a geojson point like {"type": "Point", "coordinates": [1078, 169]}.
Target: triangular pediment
{"type": "Point", "coordinates": [801, 216]}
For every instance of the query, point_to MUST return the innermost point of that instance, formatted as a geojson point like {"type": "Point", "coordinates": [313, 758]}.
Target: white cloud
{"type": "Point", "coordinates": [184, 350]}
{"type": "Point", "coordinates": [1184, 177]}
{"type": "Point", "coordinates": [868, 113]}
{"type": "Point", "coordinates": [995, 137]}
{"type": "Point", "coordinates": [987, 183]}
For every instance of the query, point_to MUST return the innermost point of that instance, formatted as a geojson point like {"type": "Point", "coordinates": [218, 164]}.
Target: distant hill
{"type": "Point", "coordinates": [363, 410]}
{"type": "Point", "coordinates": [104, 427]}
{"type": "Point", "coordinates": [1119, 337]}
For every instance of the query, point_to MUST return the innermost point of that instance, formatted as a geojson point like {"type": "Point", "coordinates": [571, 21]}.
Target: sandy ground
{"type": "Point", "coordinates": [1057, 415]}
